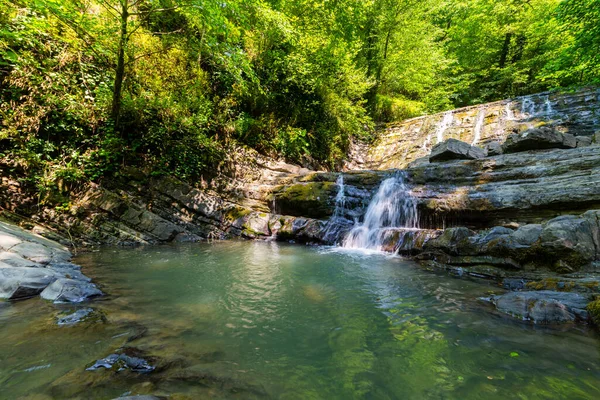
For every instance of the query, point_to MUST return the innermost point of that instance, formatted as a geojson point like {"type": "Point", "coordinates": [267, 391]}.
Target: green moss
{"type": "Point", "coordinates": [594, 310]}
{"type": "Point", "coordinates": [236, 213]}
{"type": "Point", "coordinates": [551, 284]}
{"type": "Point", "coordinates": [313, 199]}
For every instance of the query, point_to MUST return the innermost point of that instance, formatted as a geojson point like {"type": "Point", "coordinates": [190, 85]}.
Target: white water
{"type": "Point", "coordinates": [478, 126]}
{"type": "Point", "coordinates": [443, 125]}
{"type": "Point", "coordinates": [549, 110]}
{"type": "Point", "coordinates": [392, 207]}
{"type": "Point", "coordinates": [340, 198]}
{"type": "Point", "coordinates": [510, 116]}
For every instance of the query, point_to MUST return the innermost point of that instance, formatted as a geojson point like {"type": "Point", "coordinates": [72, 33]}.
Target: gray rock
{"type": "Point", "coordinates": [494, 149]}
{"type": "Point", "coordinates": [69, 270]}
{"type": "Point", "coordinates": [74, 318]}
{"type": "Point", "coordinates": [538, 139]}
{"type": "Point", "coordinates": [15, 260]}
{"type": "Point", "coordinates": [544, 306]}
{"type": "Point", "coordinates": [65, 290]}
{"type": "Point", "coordinates": [527, 235]}
{"type": "Point", "coordinates": [121, 362]}
{"type": "Point", "coordinates": [138, 397]}
{"type": "Point", "coordinates": [583, 141]}
{"type": "Point", "coordinates": [7, 240]}
{"type": "Point", "coordinates": [23, 282]}
{"type": "Point", "coordinates": [453, 149]}
{"type": "Point", "coordinates": [569, 239]}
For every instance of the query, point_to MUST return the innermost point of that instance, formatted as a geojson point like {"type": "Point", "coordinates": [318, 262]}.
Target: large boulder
{"type": "Point", "coordinates": [23, 282]}
{"type": "Point", "coordinates": [544, 306]}
{"type": "Point", "coordinates": [453, 149]}
{"type": "Point", "coordinates": [568, 242]}
{"type": "Point", "coordinates": [538, 139]}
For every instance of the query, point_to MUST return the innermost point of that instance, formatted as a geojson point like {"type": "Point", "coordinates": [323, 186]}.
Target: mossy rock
{"type": "Point", "coordinates": [312, 200]}
{"type": "Point", "coordinates": [594, 311]}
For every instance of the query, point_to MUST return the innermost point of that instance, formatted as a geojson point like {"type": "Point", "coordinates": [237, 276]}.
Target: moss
{"type": "Point", "coordinates": [313, 200]}
{"type": "Point", "coordinates": [551, 284]}
{"type": "Point", "coordinates": [594, 310]}
{"type": "Point", "coordinates": [236, 213]}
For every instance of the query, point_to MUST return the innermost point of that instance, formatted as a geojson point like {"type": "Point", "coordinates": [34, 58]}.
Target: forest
{"type": "Point", "coordinates": [90, 86]}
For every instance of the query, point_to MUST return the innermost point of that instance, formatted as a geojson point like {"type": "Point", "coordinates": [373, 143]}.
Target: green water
{"type": "Point", "coordinates": [254, 320]}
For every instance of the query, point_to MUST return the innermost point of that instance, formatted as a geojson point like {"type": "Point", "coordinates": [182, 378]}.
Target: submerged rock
{"type": "Point", "coordinates": [66, 290]}
{"type": "Point", "coordinates": [121, 362]}
{"type": "Point", "coordinates": [453, 149]}
{"type": "Point", "coordinates": [81, 315]}
{"type": "Point", "coordinates": [544, 306]}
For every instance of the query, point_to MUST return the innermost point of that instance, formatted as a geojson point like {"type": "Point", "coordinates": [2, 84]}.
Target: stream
{"type": "Point", "coordinates": [272, 320]}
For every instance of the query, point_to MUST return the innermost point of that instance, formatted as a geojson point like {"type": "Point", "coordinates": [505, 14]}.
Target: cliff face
{"type": "Point", "coordinates": [401, 143]}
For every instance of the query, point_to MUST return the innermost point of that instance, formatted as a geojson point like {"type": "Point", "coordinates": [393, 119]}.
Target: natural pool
{"type": "Point", "coordinates": [269, 320]}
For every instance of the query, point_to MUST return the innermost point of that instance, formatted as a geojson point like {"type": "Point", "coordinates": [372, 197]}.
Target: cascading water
{"type": "Point", "coordinates": [337, 220]}
{"type": "Point", "coordinates": [444, 124]}
{"type": "Point", "coordinates": [393, 207]}
{"type": "Point", "coordinates": [478, 126]}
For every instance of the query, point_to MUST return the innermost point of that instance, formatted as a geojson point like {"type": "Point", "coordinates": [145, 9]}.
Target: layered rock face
{"type": "Point", "coordinates": [401, 143]}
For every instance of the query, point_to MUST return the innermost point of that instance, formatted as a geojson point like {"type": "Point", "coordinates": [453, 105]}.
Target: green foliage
{"type": "Point", "coordinates": [296, 79]}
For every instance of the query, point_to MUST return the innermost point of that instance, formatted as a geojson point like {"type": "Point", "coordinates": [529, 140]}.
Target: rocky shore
{"type": "Point", "coordinates": [31, 265]}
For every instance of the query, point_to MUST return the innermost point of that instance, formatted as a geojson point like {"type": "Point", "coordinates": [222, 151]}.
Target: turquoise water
{"type": "Point", "coordinates": [261, 320]}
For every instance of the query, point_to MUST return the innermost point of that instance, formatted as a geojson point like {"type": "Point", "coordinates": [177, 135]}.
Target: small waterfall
{"type": "Point", "coordinates": [443, 125]}
{"type": "Point", "coordinates": [392, 208]}
{"type": "Point", "coordinates": [549, 110]}
{"type": "Point", "coordinates": [478, 126]}
{"type": "Point", "coordinates": [528, 107]}
{"type": "Point", "coordinates": [337, 220]}
{"type": "Point", "coordinates": [340, 198]}
{"type": "Point", "coordinates": [510, 116]}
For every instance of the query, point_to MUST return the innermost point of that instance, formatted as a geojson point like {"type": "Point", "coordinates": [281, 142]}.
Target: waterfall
{"type": "Point", "coordinates": [443, 125]}
{"type": "Point", "coordinates": [392, 208]}
{"type": "Point", "coordinates": [549, 110]}
{"type": "Point", "coordinates": [510, 116]}
{"type": "Point", "coordinates": [478, 126]}
{"type": "Point", "coordinates": [337, 220]}
{"type": "Point", "coordinates": [528, 107]}
{"type": "Point", "coordinates": [340, 198]}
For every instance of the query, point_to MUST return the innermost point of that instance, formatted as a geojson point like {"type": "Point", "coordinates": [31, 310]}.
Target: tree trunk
{"type": "Point", "coordinates": [505, 49]}
{"type": "Point", "coordinates": [120, 71]}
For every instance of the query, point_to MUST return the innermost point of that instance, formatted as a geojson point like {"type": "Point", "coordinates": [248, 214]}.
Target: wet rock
{"type": "Point", "coordinates": [139, 397]}
{"type": "Point", "coordinates": [121, 362]}
{"type": "Point", "coordinates": [24, 282]}
{"type": "Point", "coordinates": [452, 149]}
{"type": "Point", "coordinates": [527, 235]}
{"type": "Point", "coordinates": [545, 307]}
{"type": "Point", "coordinates": [66, 290]}
{"type": "Point", "coordinates": [538, 139]}
{"type": "Point", "coordinates": [74, 318]}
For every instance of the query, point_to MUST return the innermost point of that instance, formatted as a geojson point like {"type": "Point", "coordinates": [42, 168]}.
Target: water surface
{"type": "Point", "coordinates": [268, 320]}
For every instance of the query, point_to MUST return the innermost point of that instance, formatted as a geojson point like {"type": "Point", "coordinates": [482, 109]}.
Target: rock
{"type": "Point", "coordinates": [39, 253]}
{"type": "Point", "coordinates": [453, 241]}
{"type": "Point", "coordinates": [139, 397]}
{"type": "Point", "coordinates": [24, 282]}
{"type": "Point", "coordinates": [569, 241]}
{"type": "Point", "coordinates": [583, 141]}
{"type": "Point", "coordinates": [121, 362]}
{"type": "Point", "coordinates": [256, 224]}
{"type": "Point", "coordinates": [538, 139]}
{"type": "Point", "coordinates": [15, 260]}
{"type": "Point", "coordinates": [69, 270]}
{"type": "Point", "coordinates": [545, 307]}
{"type": "Point", "coordinates": [7, 241]}
{"type": "Point", "coordinates": [494, 149]}
{"type": "Point", "coordinates": [527, 235]}
{"type": "Point", "coordinates": [82, 315]}
{"type": "Point", "coordinates": [452, 149]}
{"type": "Point", "coordinates": [65, 290]}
